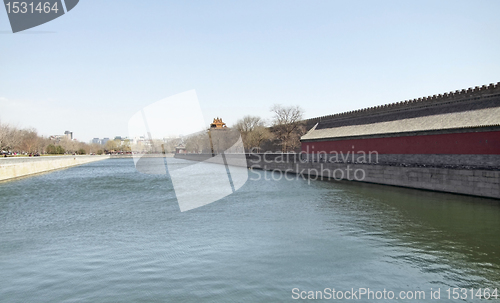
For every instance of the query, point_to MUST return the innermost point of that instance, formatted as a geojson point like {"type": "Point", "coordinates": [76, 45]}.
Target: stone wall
{"type": "Point", "coordinates": [486, 162]}
{"type": "Point", "coordinates": [11, 168]}
{"type": "Point", "coordinates": [476, 182]}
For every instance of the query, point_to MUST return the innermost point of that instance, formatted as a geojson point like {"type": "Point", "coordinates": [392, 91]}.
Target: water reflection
{"type": "Point", "coordinates": [103, 232]}
{"type": "Point", "coordinates": [453, 234]}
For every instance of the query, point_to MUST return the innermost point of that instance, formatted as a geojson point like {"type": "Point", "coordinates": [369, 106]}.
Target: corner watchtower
{"type": "Point", "coordinates": [218, 124]}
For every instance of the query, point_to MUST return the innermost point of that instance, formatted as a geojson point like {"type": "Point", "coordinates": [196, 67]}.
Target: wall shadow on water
{"type": "Point", "coordinates": [454, 234]}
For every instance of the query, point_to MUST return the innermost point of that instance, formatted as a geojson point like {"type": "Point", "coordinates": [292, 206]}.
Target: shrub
{"type": "Point", "coordinates": [54, 150]}
{"type": "Point", "coordinates": [60, 150]}
{"type": "Point", "coordinates": [50, 149]}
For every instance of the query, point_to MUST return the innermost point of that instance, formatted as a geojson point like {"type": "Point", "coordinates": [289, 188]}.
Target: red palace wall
{"type": "Point", "coordinates": [477, 143]}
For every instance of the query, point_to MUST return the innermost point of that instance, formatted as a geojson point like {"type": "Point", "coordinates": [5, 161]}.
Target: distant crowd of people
{"type": "Point", "coordinates": [20, 154]}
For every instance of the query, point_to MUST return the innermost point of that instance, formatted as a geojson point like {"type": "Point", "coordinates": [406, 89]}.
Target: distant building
{"type": "Point", "coordinates": [57, 138]}
{"type": "Point", "coordinates": [104, 141]}
{"type": "Point", "coordinates": [125, 141]}
{"type": "Point", "coordinates": [69, 135]}
{"type": "Point", "coordinates": [138, 140]}
{"type": "Point", "coordinates": [96, 141]}
{"type": "Point", "coordinates": [180, 149]}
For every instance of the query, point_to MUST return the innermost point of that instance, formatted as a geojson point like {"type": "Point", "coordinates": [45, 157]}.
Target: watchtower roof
{"type": "Point", "coordinates": [218, 124]}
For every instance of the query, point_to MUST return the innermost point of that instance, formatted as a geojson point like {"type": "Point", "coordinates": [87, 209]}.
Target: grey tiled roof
{"type": "Point", "coordinates": [481, 117]}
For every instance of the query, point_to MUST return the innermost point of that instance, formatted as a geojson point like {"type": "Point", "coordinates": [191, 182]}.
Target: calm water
{"type": "Point", "coordinates": [102, 232]}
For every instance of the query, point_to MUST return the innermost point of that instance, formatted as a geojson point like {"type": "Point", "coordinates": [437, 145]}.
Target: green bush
{"type": "Point", "coordinates": [50, 149]}
{"type": "Point", "coordinates": [60, 150]}
{"type": "Point", "coordinates": [54, 150]}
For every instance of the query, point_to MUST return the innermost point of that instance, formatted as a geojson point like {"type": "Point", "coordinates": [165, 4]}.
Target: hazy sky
{"type": "Point", "coordinates": [92, 69]}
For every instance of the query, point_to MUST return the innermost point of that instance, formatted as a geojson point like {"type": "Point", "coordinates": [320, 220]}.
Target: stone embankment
{"type": "Point", "coordinates": [11, 168]}
{"type": "Point", "coordinates": [475, 182]}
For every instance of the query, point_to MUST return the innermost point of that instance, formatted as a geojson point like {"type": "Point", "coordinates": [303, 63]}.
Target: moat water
{"type": "Point", "coordinates": [102, 232]}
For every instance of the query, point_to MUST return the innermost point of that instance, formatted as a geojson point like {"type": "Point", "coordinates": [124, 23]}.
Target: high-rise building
{"type": "Point", "coordinates": [69, 135]}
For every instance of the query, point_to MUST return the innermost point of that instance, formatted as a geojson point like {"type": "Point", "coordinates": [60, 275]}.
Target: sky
{"type": "Point", "coordinates": [92, 69]}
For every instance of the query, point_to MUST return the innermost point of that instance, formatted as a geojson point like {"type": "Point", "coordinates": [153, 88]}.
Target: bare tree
{"type": "Point", "coordinates": [4, 132]}
{"type": "Point", "coordinates": [125, 147]}
{"type": "Point", "coordinates": [111, 145]}
{"type": "Point", "coordinates": [288, 126]}
{"type": "Point", "coordinates": [94, 148]}
{"type": "Point", "coordinates": [69, 145]}
{"type": "Point", "coordinates": [83, 147]}
{"type": "Point", "coordinates": [29, 140]}
{"type": "Point", "coordinates": [253, 131]}
{"type": "Point", "coordinates": [257, 136]}
{"type": "Point", "coordinates": [170, 144]}
{"type": "Point", "coordinates": [18, 140]}
{"type": "Point", "coordinates": [14, 139]}
{"type": "Point", "coordinates": [42, 144]}
{"type": "Point", "coordinates": [249, 123]}
{"type": "Point", "coordinates": [197, 143]}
